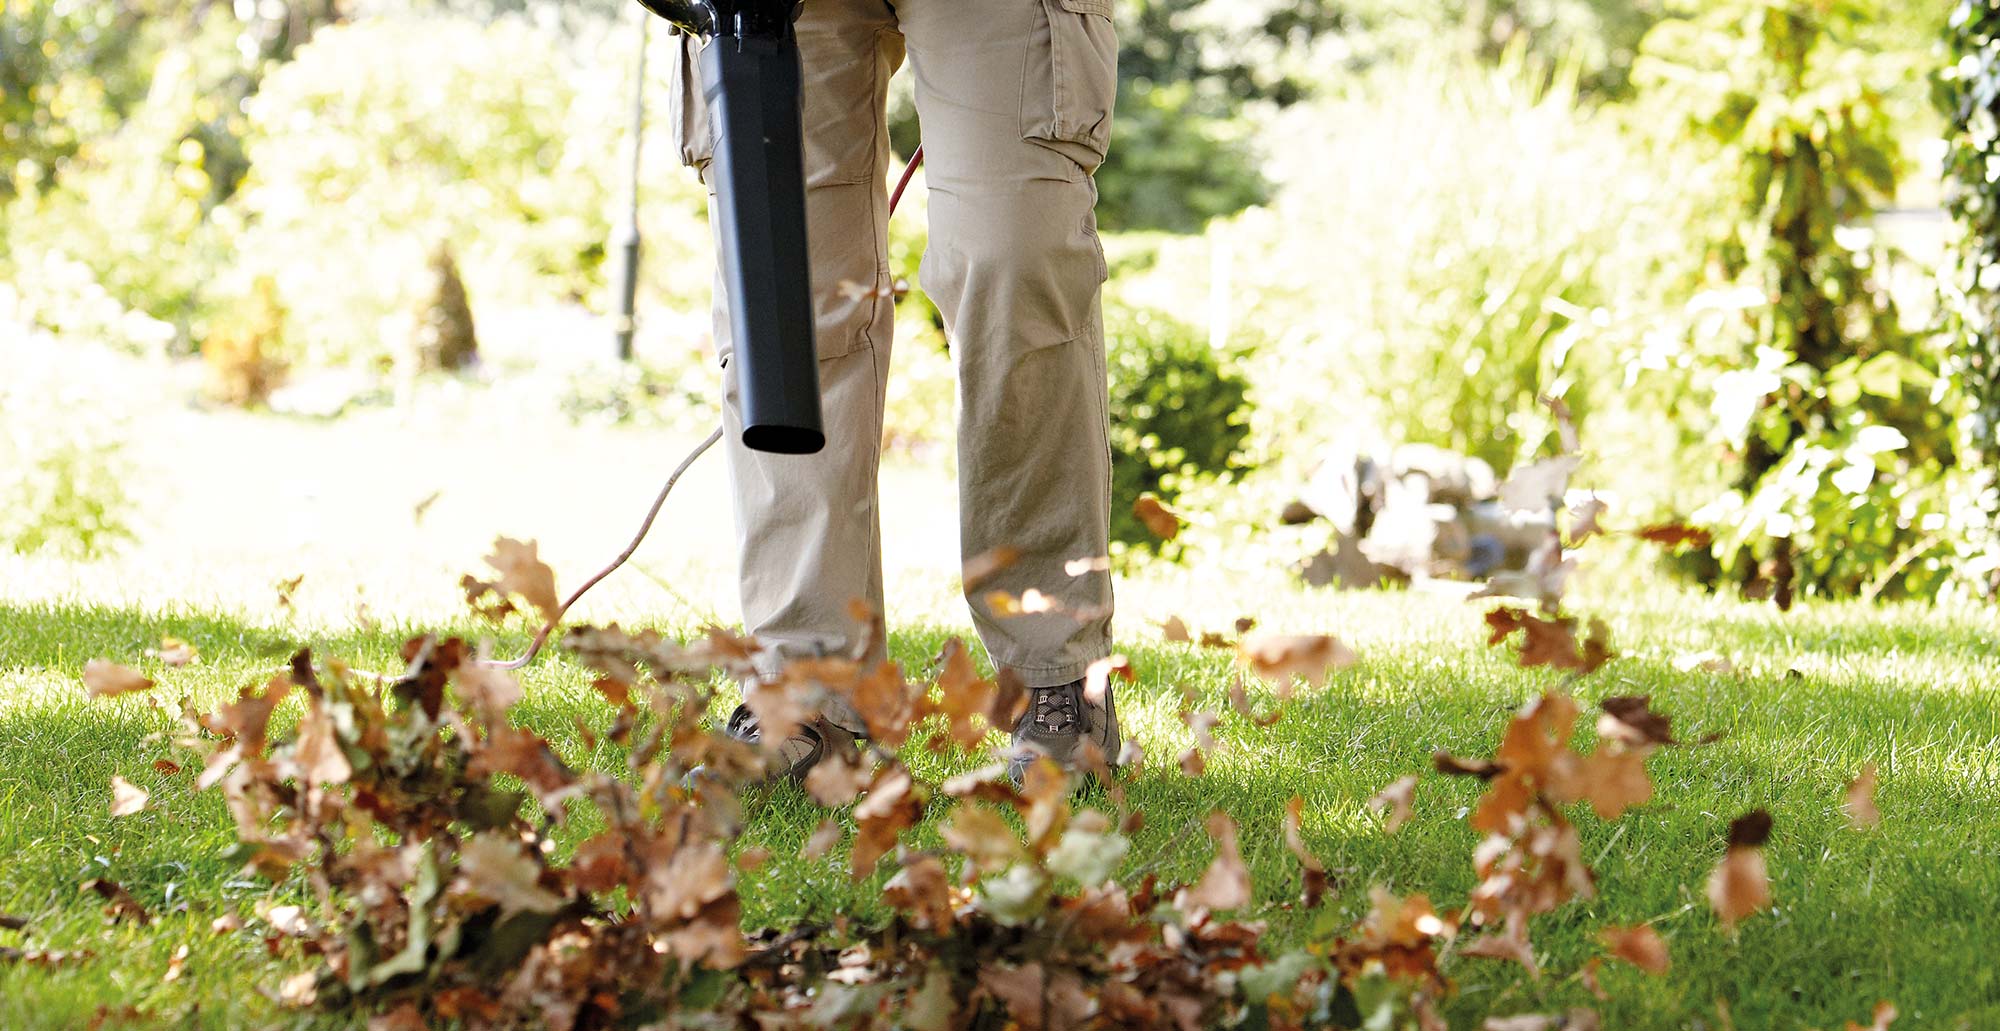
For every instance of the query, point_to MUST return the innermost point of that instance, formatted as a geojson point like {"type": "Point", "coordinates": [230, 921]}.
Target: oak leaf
{"type": "Point", "coordinates": [1640, 946]}
{"type": "Point", "coordinates": [126, 797]}
{"type": "Point", "coordinates": [1859, 804]}
{"type": "Point", "coordinates": [1226, 882]}
{"type": "Point", "coordinates": [1396, 800]}
{"type": "Point", "coordinates": [1309, 657]}
{"type": "Point", "coordinates": [103, 678]}
{"type": "Point", "coordinates": [1158, 519]}
{"type": "Point", "coordinates": [522, 572]}
{"type": "Point", "coordinates": [1741, 885]}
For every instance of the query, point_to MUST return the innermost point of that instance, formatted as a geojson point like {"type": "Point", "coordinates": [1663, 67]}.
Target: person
{"type": "Point", "coordinates": [1015, 100]}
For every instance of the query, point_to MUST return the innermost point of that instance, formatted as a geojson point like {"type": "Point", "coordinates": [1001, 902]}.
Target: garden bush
{"type": "Point", "coordinates": [1179, 413]}
{"type": "Point", "coordinates": [383, 140]}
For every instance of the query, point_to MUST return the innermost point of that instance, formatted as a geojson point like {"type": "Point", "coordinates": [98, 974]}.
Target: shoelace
{"type": "Point", "coordinates": [1056, 708]}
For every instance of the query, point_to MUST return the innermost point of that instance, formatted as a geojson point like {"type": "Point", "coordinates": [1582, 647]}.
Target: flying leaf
{"type": "Point", "coordinates": [492, 866]}
{"type": "Point", "coordinates": [1539, 486]}
{"type": "Point", "coordinates": [1226, 883]}
{"type": "Point", "coordinates": [1677, 535]}
{"type": "Point", "coordinates": [824, 838]}
{"type": "Point", "coordinates": [1740, 885]}
{"type": "Point", "coordinates": [522, 572]}
{"type": "Point", "coordinates": [1630, 720]}
{"type": "Point", "coordinates": [172, 652]}
{"type": "Point", "coordinates": [1396, 800]}
{"type": "Point", "coordinates": [1860, 803]}
{"type": "Point", "coordinates": [1640, 946]}
{"type": "Point", "coordinates": [1174, 629]}
{"type": "Point", "coordinates": [105, 679]}
{"type": "Point", "coordinates": [1885, 1014]}
{"type": "Point", "coordinates": [1159, 520]}
{"type": "Point", "coordinates": [1310, 657]}
{"type": "Point", "coordinates": [126, 797]}
{"type": "Point", "coordinates": [1310, 866]}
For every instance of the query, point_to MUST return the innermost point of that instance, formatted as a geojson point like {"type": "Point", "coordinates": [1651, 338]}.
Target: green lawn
{"type": "Point", "coordinates": [1903, 912]}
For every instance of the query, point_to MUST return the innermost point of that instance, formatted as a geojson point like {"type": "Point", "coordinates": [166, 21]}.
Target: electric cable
{"type": "Point", "coordinates": [659, 500]}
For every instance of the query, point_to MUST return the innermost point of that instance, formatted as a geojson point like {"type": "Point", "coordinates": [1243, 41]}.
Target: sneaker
{"type": "Point", "coordinates": [795, 755]}
{"type": "Point", "coordinates": [1058, 721]}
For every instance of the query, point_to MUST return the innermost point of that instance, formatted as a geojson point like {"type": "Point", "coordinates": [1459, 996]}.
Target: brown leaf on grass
{"type": "Point", "coordinates": [922, 890]}
{"type": "Point", "coordinates": [122, 906]}
{"type": "Point", "coordinates": [172, 652]}
{"type": "Point", "coordinates": [1396, 800]}
{"type": "Point", "coordinates": [1226, 883]}
{"type": "Point", "coordinates": [894, 804]}
{"type": "Point", "coordinates": [1193, 763]}
{"type": "Point", "coordinates": [1550, 642]}
{"type": "Point", "coordinates": [1453, 766]}
{"type": "Point", "coordinates": [1630, 719]}
{"type": "Point", "coordinates": [1640, 946]}
{"type": "Point", "coordinates": [983, 567]}
{"type": "Point", "coordinates": [964, 697]}
{"type": "Point", "coordinates": [405, 1017]}
{"type": "Point", "coordinates": [1860, 802]}
{"type": "Point", "coordinates": [1159, 520]}
{"type": "Point", "coordinates": [248, 718]}
{"type": "Point", "coordinates": [126, 797]}
{"type": "Point", "coordinates": [1176, 630]}
{"type": "Point", "coordinates": [838, 778]}
{"type": "Point", "coordinates": [522, 572]}
{"type": "Point", "coordinates": [1741, 885]}
{"type": "Point", "coordinates": [1021, 990]}
{"type": "Point", "coordinates": [167, 766]}
{"type": "Point", "coordinates": [1313, 871]}
{"type": "Point", "coordinates": [1511, 945]}
{"type": "Point", "coordinates": [780, 707]}
{"type": "Point", "coordinates": [492, 866]}
{"type": "Point", "coordinates": [1885, 1014]}
{"type": "Point", "coordinates": [176, 964]}
{"type": "Point", "coordinates": [1239, 699]}
{"type": "Point", "coordinates": [983, 837]}
{"type": "Point", "coordinates": [1614, 781]}
{"type": "Point", "coordinates": [317, 751]}
{"type": "Point", "coordinates": [1309, 657]}
{"type": "Point", "coordinates": [103, 678]}
{"type": "Point", "coordinates": [824, 838]}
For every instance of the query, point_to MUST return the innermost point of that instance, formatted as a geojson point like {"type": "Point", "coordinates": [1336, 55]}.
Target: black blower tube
{"type": "Point", "coordinates": [750, 77]}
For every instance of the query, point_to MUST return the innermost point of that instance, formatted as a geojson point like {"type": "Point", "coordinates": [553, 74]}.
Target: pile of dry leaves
{"type": "Point", "coordinates": [422, 819]}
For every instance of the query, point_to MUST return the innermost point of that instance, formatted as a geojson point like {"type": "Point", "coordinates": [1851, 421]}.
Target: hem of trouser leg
{"type": "Point", "coordinates": [1051, 676]}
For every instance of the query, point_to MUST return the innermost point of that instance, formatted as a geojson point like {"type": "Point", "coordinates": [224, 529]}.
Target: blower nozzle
{"type": "Point", "coordinates": [751, 80]}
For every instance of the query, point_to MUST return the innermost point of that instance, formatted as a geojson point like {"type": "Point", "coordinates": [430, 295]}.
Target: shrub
{"type": "Point", "coordinates": [1449, 241]}
{"type": "Point", "coordinates": [60, 486]}
{"type": "Point", "coordinates": [1179, 413]}
{"type": "Point", "coordinates": [1825, 404]}
{"type": "Point", "coordinates": [383, 139]}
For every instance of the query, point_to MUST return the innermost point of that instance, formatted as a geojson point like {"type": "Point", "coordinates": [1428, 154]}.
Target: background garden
{"type": "Point", "coordinates": [303, 302]}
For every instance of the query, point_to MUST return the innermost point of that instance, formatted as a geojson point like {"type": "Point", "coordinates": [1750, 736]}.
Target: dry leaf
{"type": "Point", "coordinates": [1396, 799]}
{"type": "Point", "coordinates": [1311, 868]}
{"type": "Point", "coordinates": [1310, 657]}
{"type": "Point", "coordinates": [824, 838]}
{"type": "Point", "coordinates": [1175, 630]}
{"type": "Point", "coordinates": [1640, 946]}
{"type": "Point", "coordinates": [1226, 884]}
{"type": "Point", "coordinates": [1740, 884]}
{"type": "Point", "coordinates": [492, 866]}
{"type": "Point", "coordinates": [1885, 1014]}
{"type": "Point", "coordinates": [105, 679]}
{"type": "Point", "coordinates": [1159, 520]}
{"type": "Point", "coordinates": [1860, 803]}
{"type": "Point", "coordinates": [172, 652]}
{"type": "Point", "coordinates": [126, 797]}
{"type": "Point", "coordinates": [522, 572]}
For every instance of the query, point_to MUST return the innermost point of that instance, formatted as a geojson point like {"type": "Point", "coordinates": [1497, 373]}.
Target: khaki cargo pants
{"type": "Point", "coordinates": [1015, 100]}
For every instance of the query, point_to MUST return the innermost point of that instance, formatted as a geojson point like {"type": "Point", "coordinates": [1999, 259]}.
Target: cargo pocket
{"type": "Point", "coordinates": [1072, 79]}
{"type": "Point", "coordinates": [687, 109]}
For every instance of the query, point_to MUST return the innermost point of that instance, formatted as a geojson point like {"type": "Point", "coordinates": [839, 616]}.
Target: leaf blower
{"type": "Point", "coordinates": [750, 79]}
